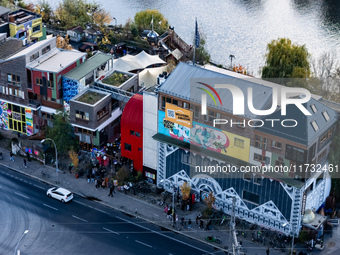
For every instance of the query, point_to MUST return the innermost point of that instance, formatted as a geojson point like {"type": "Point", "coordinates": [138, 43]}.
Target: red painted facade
{"type": "Point", "coordinates": [132, 131]}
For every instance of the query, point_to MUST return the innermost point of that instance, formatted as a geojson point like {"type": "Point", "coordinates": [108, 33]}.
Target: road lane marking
{"type": "Point", "coordinates": [21, 195]}
{"type": "Point", "coordinates": [50, 207]}
{"type": "Point", "coordinates": [143, 243]}
{"type": "Point", "coordinates": [111, 231]}
{"type": "Point", "coordinates": [82, 203]}
{"type": "Point", "coordinates": [100, 210]}
{"type": "Point", "coordinates": [174, 239]}
{"type": "Point", "coordinates": [38, 186]}
{"type": "Point", "coordinates": [16, 177]}
{"type": "Point", "coordinates": [155, 215]}
{"type": "Point", "coordinates": [133, 223]}
{"type": "Point", "coordinates": [79, 218]}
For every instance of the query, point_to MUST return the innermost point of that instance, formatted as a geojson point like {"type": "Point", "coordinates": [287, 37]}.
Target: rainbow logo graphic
{"type": "Point", "coordinates": [209, 93]}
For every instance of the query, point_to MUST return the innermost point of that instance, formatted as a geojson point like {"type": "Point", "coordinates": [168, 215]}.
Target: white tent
{"type": "Point", "coordinates": [130, 63]}
{"type": "Point", "coordinates": [148, 77]}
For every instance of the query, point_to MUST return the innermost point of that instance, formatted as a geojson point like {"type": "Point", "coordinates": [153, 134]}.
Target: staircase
{"type": "Point", "coordinates": [161, 161]}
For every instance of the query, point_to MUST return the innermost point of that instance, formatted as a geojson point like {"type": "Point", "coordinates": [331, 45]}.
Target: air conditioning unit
{"type": "Point", "coordinates": [24, 41]}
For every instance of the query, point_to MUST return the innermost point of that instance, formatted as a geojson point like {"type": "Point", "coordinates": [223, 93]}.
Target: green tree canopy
{"type": "Point", "coordinates": [143, 21]}
{"type": "Point", "coordinates": [62, 133]}
{"type": "Point", "coordinates": [286, 60]}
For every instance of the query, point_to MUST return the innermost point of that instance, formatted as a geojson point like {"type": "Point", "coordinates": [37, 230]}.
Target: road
{"type": "Point", "coordinates": [78, 227]}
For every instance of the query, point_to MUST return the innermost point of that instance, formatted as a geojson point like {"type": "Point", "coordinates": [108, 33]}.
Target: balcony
{"type": "Point", "coordinates": [34, 103]}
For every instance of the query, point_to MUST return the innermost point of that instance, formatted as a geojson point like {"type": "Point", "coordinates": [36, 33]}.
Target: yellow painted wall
{"type": "Point", "coordinates": [14, 29]}
{"type": "Point", "coordinates": [237, 152]}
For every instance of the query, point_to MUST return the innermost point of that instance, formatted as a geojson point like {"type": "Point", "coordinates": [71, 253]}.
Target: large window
{"type": "Point", "coordinates": [46, 49]}
{"type": "Point", "coordinates": [239, 142]}
{"type": "Point", "coordinates": [295, 154]}
{"type": "Point", "coordinates": [101, 113]}
{"type": "Point", "coordinates": [82, 115]}
{"type": "Point", "coordinates": [168, 100]}
{"type": "Point", "coordinates": [258, 157]}
{"type": "Point", "coordinates": [13, 79]}
{"type": "Point", "coordinates": [34, 56]}
{"type": "Point", "coordinates": [260, 142]}
{"type": "Point", "coordinates": [251, 197]}
{"type": "Point", "coordinates": [276, 144]}
{"type": "Point", "coordinates": [127, 147]}
{"type": "Point", "coordinates": [38, 81]}
{"type": "Point", "coordinates": [36, 29]}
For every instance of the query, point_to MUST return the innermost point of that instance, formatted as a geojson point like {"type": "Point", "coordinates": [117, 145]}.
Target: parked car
{"type": "Point", "coordinates": [60, 193]}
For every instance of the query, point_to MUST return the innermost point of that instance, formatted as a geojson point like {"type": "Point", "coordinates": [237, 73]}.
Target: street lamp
{"type": "Point", "coordinates": [115, 22]}
{"type": "Point", "coordinates": [16, 247]}
{"type": "Point", "coordinates": [56, 157]}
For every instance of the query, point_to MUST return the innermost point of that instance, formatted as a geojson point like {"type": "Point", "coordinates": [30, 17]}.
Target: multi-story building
{"type": "Point", "coordinates": [189, 143]}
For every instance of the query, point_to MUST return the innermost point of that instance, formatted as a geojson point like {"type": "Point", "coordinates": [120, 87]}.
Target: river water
{"type": "Point", "coordinates": [244, 27]}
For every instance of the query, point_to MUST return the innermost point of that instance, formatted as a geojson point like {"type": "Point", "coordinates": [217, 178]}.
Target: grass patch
{"type": "Point", "coordinates": [116, 79]}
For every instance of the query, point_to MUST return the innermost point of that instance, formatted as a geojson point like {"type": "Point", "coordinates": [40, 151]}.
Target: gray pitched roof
{"type": "Point", "coordinates": [10, 47]}
{"type": "Point", "coordinates": [304, 132]}
{"type": "Point", "coordinates": [4, 10]}
{"type": "Point", "coordinates": [178, 85]}
{"type": "Point", "coordinates": [88, 66]}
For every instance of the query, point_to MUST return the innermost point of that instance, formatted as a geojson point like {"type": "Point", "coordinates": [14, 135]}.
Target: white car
{"type": "Point", "coordinates": [61, 194]}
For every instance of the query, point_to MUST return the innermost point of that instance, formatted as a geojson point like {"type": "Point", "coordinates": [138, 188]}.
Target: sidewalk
{"type": "Point", "coordinates": [127, 203]}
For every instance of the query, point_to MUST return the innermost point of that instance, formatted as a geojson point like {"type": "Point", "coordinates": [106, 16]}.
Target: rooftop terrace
{"type": "Point", "coordinates": [116, 79]}
{"type": "Point", "coordinates": [21, 16]}
{"type": "Point", "coordinates": [90, 97]}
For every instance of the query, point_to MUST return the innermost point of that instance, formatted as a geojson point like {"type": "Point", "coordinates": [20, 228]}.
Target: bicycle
{"type": "Point", "coordinates": [44, 174]}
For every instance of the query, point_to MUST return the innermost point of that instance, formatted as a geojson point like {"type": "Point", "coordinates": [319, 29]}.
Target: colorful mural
{"type": "Point", "coordinates": [70, 88]}
{"type": "Point", "coordinates": [214, 139]}
{"type": "Point", "coordinates": [208, 137]}
{"type": "Point", "coordinates": [29, 121]}
{"type": "Point", "coordinates": [4, 112]}
{"type": "Point", "coordinates": [172, 129]}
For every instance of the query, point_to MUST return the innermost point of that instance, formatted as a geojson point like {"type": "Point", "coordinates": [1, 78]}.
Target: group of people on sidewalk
{"type": "Point", "coordinates": [11, 155]}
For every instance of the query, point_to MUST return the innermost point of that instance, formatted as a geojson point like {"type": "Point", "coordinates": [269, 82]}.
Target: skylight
{"type": "Point", "coordinates": [313, 107]}
{"type": "Point", "coordinates": [325, 115]}
{"type": "Point", "coordinates": [315, 125]}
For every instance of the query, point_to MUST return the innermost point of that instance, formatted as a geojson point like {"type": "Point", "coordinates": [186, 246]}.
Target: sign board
{"type": "Point", "coordinates": [178, 115]}
{"type": "Point", "coordinates": [303, 206]}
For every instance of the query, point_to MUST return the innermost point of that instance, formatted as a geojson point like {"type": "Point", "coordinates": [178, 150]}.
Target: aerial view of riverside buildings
{"type": "Point", "coordinates": [258, 147]}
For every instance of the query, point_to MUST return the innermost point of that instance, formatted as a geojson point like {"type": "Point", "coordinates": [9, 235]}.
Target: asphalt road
{"type": "Point", "coordinates": [78, 227]}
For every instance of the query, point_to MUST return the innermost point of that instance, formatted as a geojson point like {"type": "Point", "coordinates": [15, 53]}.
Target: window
{"type": "Point", "coordinates": [279, 163]}
{"type": "Point", "coordinates": [186, 158]}
{"type": "Point", "coordinates": [196, 112]}
{"type": "Point", "coordinates": [82, 115]}
{"type": "Point", "coordinates": [46, 49]}
{"type": "Point", "coordinates": [295, 154]}
{"type": "Point", "coordinates": [34, 56]}
{"type": "Point", "coordinates": [168, 100]}
{"type": "Point", "coordinates": [174, 101]}
{"type": "Point", "coordinates": [322, 154]}
{"type": "Point", "coordinates": [276, 145]}
{"type": "Point", "coordinates": [3, 89]}
{"type": "Point", "coordinates": [239, 142]}
{"type": "Point", "coordinates": [137, 134]}
{"type": "Point", "coordinates": [251, 197]}
{"type": "Point", "coordinates": [310, 188]}
{"type": "Point", "coordinates": [186, 105]}
{"type": "Point", "coordinates": [261, 158]}
{"type": "Point", "coordinates": [257, 179]}
{"type": "Point", "coordinates": [127, 147]}
{"type": "Point", "coordinates": [13, 79]}
{"type": "Point", "coordinates": [315, 125]}
{"type": "Point", "coordinates": [211, 116]}
{"type": "Point", "coordinates": [260, 142]}
{"type": "Point", "coordinates": [313, 107]}
{"type": "Point", "coordinates": [139, 149]}
{"type": "Point", "coordinates": [247, 176]}
{"type": "Point", "coordinates": [36, 29]}
{"type": "Point", "coordinates": [325, 115]}
{"type": "Point", "coordinates": [101, 113]}
{"type": "Point", "coordinates": [132, 132]}
{"type": "Point", "coordinates": [38, 81]}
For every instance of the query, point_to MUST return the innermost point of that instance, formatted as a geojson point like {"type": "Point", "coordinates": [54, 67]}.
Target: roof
{"type": "Point", "coordinates": [303, 133]}
{"type": "Point", "coordinates": [58, 61]}
{"type": "Point", "coordinates": [133, 112]}
{"type": "Point", "coordinates": [178, 85]}
{"type": "Point", "coordinates": [148, 77]}
{"type": "Point", "coordinates": [4, 10]}
{"type": "Point", "coordinates": [10, 47]}
{"type": "Point", "coordinates": [142, 60]}
{"type": "Point", "coordinates": [88, 66]}
{"type": "Point", "coordinates": [77, 29]}
{"type": "Point", "coordinates": [33, 47]}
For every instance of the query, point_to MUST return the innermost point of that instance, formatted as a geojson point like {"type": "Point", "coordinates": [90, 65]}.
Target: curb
{"type": "Point", "coordinates": [117, 208]}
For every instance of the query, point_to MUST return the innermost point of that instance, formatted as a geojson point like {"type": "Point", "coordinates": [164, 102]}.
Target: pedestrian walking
{"type": "Point", "coordinates": [201, 224]}
{"type": "Point", "coordinates": [208, 224]}
{"type": "Point", "coordinates": [169, 212]}
{"type": "Point", "coordinates": [197, 220]}
{"type": "Point", "coordinates": [11, 156]}
{"type": "Point", "coordinates": [267, 251]}
{"type": "Point", "coordinates": [189, 223]}
{"type": "Point", "coordinates": [182, 222]}
{"type": "Point", "coordinates": [111, 190]}
{"type": "Point", "coordinates": [25, 163]}
{"type": "Point", "coordinates": [166, 209]}
{"type": "Point", "coordinates": [176, 220]}
{"type": "Point", "coordinates": [96, 183]}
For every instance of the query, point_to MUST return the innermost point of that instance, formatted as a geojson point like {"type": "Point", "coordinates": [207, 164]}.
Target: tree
{"type": "Point", "coordinates": [63, 43]}
{"type": "Point", "coordinates": [45, 10]}
{"type": "Point", "coordinates": [210, 200]}
{"type": "Point", "coordinates": [74, 158]}
{"type": "Point", "coordinates": [171, 65]}
{"type": "Point", "coordinates": [286, 60]}
{"type": "Point", "coordinates": [143, 21]}
{"type": "Point", "coordinates": [62, 133]}
{"type": "Point", "coordinates": [102, 18]}
{"type": "Point", "coordinates": [185, 190]}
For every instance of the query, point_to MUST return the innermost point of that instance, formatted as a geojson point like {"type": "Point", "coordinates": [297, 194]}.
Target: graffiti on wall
{"type": "Point", "coordinates": [29, 121]}
{"type": "Point", "coordinates": [172, 129]}
{"type": "Point", "coordinates": [208, 137]}
{"type": "Point", "coordinates": [4, 112]}
{"type": "Point", "coordinates": [70, 88]}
